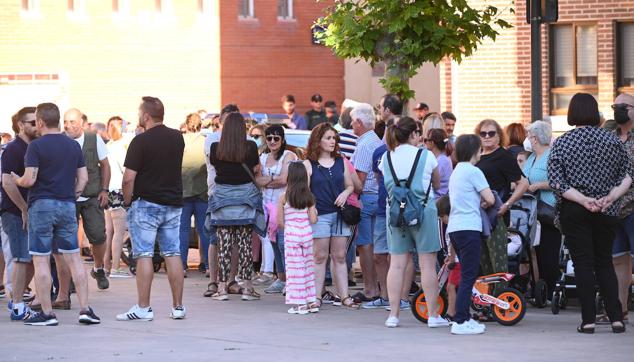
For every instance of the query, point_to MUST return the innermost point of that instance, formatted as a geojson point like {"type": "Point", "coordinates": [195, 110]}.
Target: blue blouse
{"type": "Point", "coordinates": [537, 171]}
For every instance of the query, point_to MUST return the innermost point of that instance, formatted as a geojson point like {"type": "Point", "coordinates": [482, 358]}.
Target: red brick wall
{"type": "Point", "coordinates": [264, 58]}
{"type": "Point", "coordinates": [495, 81]}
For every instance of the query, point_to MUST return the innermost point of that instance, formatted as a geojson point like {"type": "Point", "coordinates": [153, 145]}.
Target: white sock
{"type": "Point", "coordinates": [19, 307]}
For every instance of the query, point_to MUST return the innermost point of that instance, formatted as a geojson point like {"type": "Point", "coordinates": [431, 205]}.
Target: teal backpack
{"type": "Point", "coordinates": [404, 208]}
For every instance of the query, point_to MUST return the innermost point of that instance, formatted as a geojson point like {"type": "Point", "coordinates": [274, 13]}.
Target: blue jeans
{"type": "Point", "coordinates": [18, 237]}
{"type": "Point", "coordinates": [52, 220]}
{"type": "Point", "coordinates": [467, 245]}
{"type": "Point", "coordinates": [278, 252]}
{"type": "Point", "coordinates": [624, 240]}
{"type": "Point", "coordinates": [198, 208]}
{"type": "Point", "coordinates": [365, 229]}
{"type": "Point", "coordinates": [148, 223]}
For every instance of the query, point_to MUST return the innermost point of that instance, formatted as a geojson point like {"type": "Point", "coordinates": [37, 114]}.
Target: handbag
{"type": "Point", "coordinates": [545, 213]}
{"type": "Point", "coordinates": [350, 214]}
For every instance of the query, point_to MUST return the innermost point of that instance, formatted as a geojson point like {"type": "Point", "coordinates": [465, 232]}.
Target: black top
{"type": "Point", "coordinates": [515, 150]}
{"type": "Point", "coordinates": [13, 161]}
{"type": "Point", "coordinates": [233, 173]}
{"type": "Point", "coordinates": [592, 161]}
{"type": "Point", "coordinates": [500, 169]}
{"type": "Point", "coordinates": [157, 157]}
{"type": "Point", "coordinates": [313, 118]}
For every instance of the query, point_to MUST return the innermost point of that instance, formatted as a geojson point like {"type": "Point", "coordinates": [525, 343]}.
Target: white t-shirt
{"type": "Point", "coordinates": [116, 157]}
{"type": "Point", "coordinates": [211, 170]}
{"type": "Point", "coordinates": [403, 159]}
{"type": "Point", "coordinates": [102, 153]}
{"type": "Point", "coordinates": [465, 185]}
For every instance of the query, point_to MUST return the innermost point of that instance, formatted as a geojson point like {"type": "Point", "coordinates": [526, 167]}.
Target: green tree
{"type": "Point", "coordinates": [404, 34]}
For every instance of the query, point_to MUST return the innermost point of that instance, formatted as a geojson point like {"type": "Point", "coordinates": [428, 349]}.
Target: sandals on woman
{"type": "Point", "coordinates": [314, 306]}
{"type": "Point", "coordinates": [220, 295]}
{"type": "Point", "coordinates": [299, 309]}
{"type": "Point", "coordinates": [235, 288]}
{"type": "Point", "coordinates": [250, 294]}
{"type": "Point", "coordinates": [212, 288]}
{"type": "Point", "coordinates": [348, 302]}
{"type": "Point", "coordinates": [618, 327]}
{"type": "Point", "coordinates": [586, 328]}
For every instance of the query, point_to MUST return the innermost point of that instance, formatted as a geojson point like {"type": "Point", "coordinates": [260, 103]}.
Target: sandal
{"type": "Point", "coordinates": [222, 296]}
{"type": "Point", "coordinates": [250, 294]}
{"type": "Point", "coordinates": [587, 328]}
{"type": "Point", "coordinates": [602, 319]}
{"type": "Point", "coordinates": [348, 302]}
{"type": "Point", "coordinates": [314, 306]}
{"type": "Point", "coordinates": [212, 288]}
{"type": "Point", "coordinates": [299, 309]}
{"type": "Point", "coordinates": [618, 327]}
{"type": "Point", "coordinates": [235, 288]}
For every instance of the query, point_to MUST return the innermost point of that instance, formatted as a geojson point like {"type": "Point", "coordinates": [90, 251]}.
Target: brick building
{"type": "Point", "coordinates": [590, 49]}
{"type": "Point", "coordinates": [102, 56]}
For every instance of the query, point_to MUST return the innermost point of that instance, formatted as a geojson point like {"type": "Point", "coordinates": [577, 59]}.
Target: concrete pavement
{"type": "Point", "coordinates": [263, 331]}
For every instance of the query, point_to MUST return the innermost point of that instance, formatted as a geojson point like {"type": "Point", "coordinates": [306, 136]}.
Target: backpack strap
{"type": "Point", "coordinates": [413, 171]}
{"type": "Point", "coordinates": [394, 177]}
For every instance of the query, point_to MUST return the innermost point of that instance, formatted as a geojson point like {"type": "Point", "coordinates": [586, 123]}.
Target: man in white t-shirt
{"type": "Point", "coordinates": [90, 205]}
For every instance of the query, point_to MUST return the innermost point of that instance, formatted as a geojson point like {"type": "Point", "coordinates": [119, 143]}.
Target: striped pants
{"type": "Point", "coordinates": [300, 272]}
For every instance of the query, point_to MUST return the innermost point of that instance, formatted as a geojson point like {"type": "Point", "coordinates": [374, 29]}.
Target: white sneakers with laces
{"type": "Point", "coordinates": [391, 322]}
{"type": "Point", "coordinates": [437, 322]}
{"type": "Point", "coordinates": [137, 313]}
{"type": "Point", "coordinates": [178, 312]}
{"type": "Point", "coordinates": [468, 327]}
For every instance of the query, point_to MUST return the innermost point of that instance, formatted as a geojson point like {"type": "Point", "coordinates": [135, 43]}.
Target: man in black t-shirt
{"type": "Point", "coordinates": [316, 115]}
{"type": "Point", "coordinates": [153, 189]}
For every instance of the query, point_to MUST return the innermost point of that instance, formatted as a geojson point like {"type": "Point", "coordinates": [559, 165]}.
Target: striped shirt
{"type": "Point", "coordinates": [362, 159]}
{"type": "Point", "coordinates": [347, 143]}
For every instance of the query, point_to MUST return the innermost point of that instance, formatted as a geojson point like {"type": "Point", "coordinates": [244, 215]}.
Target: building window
{"type": "Point", "coordinates": [76, 6]}
{"type": "Point", "coordinates": [285, 9]}
{"type": "Point", "coordinates": [573, 63]}
{"type": "Point", "coordinates": [31, 6]}
{"type": "Point", "coordinates": [246, 9]}
{"type": "Point", "coordinates": [625, 56]}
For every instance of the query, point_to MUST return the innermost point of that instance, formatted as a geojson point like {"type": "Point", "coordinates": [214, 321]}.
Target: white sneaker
{"type": "Point", "coordinates": [437, 322]}
{"type": "Point", "coordinates": [477, 325]}
{"type": "Point", "coordinates": [465, 328]}
{"type": "Point", "coordinates": [137, 313]}
{"type": "Point", "coordinates": [178, 312]}
{"type": "Point", "coordinates": [119, 273]}
{"type": "Point", "coordinates": [391, 322]}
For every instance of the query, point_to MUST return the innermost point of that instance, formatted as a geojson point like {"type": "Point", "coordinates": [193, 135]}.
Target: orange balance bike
{"type": "Point", "coordinates": [506, 305]}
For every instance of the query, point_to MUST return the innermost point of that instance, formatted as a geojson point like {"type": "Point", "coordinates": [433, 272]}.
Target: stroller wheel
{"type": "Point", "coordinates": [540, 293]}
{"type": "Point", "coordinates": [563, 303]}
{"type": "Point", "coordinates": [554, 307]}
{"type": "Point", "coordinates": [419, 305]}
{"type": "Point", "coordinates": [516, 311]}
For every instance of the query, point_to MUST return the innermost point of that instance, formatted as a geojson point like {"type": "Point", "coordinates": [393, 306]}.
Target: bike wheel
{"type": "Point", "coordinates": [419, 306]}
{"type": "Point", "coordinates": [517, 307]}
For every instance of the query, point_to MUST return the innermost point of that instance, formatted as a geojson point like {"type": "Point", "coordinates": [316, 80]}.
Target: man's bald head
{"type": "Point", "coordinates": [73, 123]}
{"type": "Point", "coordinates": [625, 98]}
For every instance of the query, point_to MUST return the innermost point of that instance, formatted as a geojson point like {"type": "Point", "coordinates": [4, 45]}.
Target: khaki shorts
{"type": "Point", "coordinates": [92, 216]}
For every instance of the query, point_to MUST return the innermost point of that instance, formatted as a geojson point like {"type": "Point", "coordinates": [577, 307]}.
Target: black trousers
{"type": "Point", "coordinates": [589, 238]}
{"type": "Point", "coordinates": [548, 256]}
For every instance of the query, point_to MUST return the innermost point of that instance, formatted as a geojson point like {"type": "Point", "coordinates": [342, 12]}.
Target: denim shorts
{"type": "Point", "coordinates": [18, 237]}
{"type": "Point", "coordinates": [365, 229]}
{"type": "Point", "coordinates": [52, 225]}
{"type": "Point", "coordinates": [330, 225]}
{"type": "Point", "coordinates": [149, 223]}
{"type": "Point", "coordinates": [380, 235]}
{"type": "Point", "coordinates": [624, 239]}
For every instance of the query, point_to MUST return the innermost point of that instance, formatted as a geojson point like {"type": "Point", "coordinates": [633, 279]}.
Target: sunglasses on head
{"type": "Point", "coordinates": [272, 138]}
{"type": "Point", "coordinates": [32, 123]}
{"type": "Point", "coordinates": [621, 105]}
{"type": "Point", "coordinates": [489, 134]}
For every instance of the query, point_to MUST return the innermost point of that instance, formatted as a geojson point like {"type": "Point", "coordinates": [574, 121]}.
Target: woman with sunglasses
{"type": "Point", "coordinates": [502, 172]}
{"type": "Point", "coordinates": [257, 133]}
{"type": "Point", "coordinates": [331, 184]}
{"type": "Point", "coordinates": [274, 168]}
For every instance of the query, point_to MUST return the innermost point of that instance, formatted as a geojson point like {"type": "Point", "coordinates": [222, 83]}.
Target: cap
{"type": "Point", "coordinates": [421, 106]}
{"type": "Point", "coordinates": [316, 98]}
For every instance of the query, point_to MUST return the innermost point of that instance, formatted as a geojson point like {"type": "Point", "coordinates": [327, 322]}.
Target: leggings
{"type": "Point", "coordinates": [227, 237]}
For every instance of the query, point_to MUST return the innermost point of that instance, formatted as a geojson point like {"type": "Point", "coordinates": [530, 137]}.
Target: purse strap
{"type": "Point", "coordinates": [250, 173]}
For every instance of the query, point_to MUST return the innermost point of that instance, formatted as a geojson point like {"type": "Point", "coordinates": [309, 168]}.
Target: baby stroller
{"type": "Point", "coordinates": [127, 256]}
{"type": "Point", "coordinates": [566, 282]}
{"type": "Point", "coordinates": [524, 224]}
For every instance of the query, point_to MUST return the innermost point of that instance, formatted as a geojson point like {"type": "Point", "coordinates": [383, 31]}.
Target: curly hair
{"type": "Point", "coordinates": [314, 142]}
{"type": "Point", "coordinates": [498, 129]}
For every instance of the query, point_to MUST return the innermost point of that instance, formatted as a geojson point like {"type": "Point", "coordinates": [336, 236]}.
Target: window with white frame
{"type": "Point", "coordinates": [246, 9]}
{"type": "Point", "coordinates": [31, 6]}
{"type": "Point", "coordinates": [285, 9]}
{"type": "Point", "coordinates": [625, 56]}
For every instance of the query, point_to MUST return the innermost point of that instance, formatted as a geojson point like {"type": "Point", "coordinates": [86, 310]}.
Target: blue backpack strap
{"type": "Point", "coordinates": [413, 171]}
{"type": "Point", "coordinates": [391, 167]}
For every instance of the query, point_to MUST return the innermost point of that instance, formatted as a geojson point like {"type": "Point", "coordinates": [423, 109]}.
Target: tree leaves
{"type": "Point", "coordinates": [404, 34]}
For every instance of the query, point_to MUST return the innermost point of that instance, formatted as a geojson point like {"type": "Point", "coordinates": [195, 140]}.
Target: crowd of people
{"type": "Point", "coordinates": [371, 183]}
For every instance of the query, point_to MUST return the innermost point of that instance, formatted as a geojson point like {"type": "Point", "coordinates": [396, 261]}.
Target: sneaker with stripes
{"type": "Point", "coordinates": [137, 313]}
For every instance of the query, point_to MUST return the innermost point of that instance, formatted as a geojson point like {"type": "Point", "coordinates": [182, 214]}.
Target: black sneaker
{"type": "Point", "coordinates": [88, 317]}
{"type": "Point", "coordinates": [100, 276]}
{"type": "Point", "coordinates": [327, 298]}
{"type": "Point", "coordinates": [41, 319]}
{"type": "Point", "coordinates": [413, 289]}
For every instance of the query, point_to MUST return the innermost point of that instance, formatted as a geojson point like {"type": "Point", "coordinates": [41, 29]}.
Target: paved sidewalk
{"type": "Point", "coordinates": [263, 331]}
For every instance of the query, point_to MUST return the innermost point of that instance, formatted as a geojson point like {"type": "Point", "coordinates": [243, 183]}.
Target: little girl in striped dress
{"type": "Point", "coordinates": [295, 212]}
